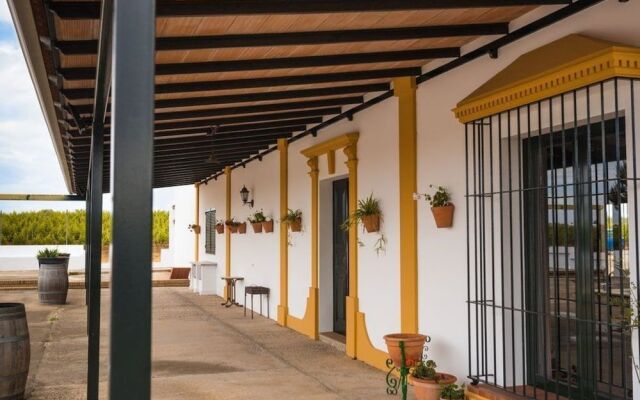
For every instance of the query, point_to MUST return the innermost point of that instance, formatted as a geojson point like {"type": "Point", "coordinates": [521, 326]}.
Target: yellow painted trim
{"type": "Point", "coordinates": [473, 396]}
{"type": "Point", "coordinates": [331, 162]}
{"type": "Point", "coordinates": [283, 148]}
{"type": "Point", "coordinates": [616, 61]}
{"type": "Point", "coordinates": [336, 143]}
{"type": "Point", "coordinates": [351, 151]}
{"type": "Point", "coordinates": [308, 325]}
{"type": "Point", "coordinates": [405, 91]}
{"type": "Point", "coordinates": [227, 232]}
{"type": "Point", "coordinates": [196, 249]}
{"type": "Point", "coordinates": [366, 351]}
{"type": "Point", "coordinates": [313, 173]}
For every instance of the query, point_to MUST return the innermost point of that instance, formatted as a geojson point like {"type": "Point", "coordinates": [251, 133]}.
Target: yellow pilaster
{"type": "Point", "coordinates": [196, 244]}
{"type": "Point", "coordinates": [351, 151]}
{"type": "Point", "coordinates": [227, 232]}
{"type": "Point", "coordinates": [405, 91]}
{"type": "Point", "coordinates": [313, 173]}
{"type": "Point", "coordinates": [283, 147]}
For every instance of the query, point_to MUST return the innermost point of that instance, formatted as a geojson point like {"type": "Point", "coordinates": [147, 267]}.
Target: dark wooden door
{"type": "Point", "coordinates": [340, 254]}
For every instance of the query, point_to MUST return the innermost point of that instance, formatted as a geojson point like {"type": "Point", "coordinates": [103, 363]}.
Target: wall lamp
{"type": "Point", "coordinates": [244, 195]}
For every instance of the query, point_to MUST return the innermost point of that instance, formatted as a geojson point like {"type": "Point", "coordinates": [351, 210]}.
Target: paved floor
{"type": "Point", "coordinates": [200, 351]}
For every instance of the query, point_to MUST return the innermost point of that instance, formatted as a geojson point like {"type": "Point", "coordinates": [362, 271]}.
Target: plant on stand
{"type": "Point", "coordinates": [53, 276]}
{"type": "Point", "coordinates": [427, 382]}
{"type": "Point", "coordinates": [256, 221]}
{"type": "Point", "coordinates": [441, 207]}
{"type": "Point", "coordinates": [293, 219]}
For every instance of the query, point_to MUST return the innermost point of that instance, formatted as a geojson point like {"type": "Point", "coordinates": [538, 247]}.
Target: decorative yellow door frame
{"type": "Point", "coordinates": [196, 244]}
{"type": "Point", "coordinates": [358, 344]}
{"type": "Point", "coordinates": [283, 307]}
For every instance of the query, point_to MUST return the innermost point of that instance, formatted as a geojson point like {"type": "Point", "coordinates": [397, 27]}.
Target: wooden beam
{"type": "Point", "coordinates": [91, 9]}
{"type": "Point", "coordinates": [84, 47]}
{"type": "Point", "coordinates": [307, 79]}
{"type": "Point", "coordinates": [258, 96]}
{"type": "Point", "coordinates": [88, 73]}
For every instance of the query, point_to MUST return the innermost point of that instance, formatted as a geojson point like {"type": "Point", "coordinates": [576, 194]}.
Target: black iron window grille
{"type": "Point", "coordinates": [552, 244]}
{"type": "Point", "coordinates": [210, 232]}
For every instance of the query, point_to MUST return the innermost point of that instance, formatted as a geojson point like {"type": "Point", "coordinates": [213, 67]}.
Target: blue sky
{"type": "Point", "coordinates": [28, 164]}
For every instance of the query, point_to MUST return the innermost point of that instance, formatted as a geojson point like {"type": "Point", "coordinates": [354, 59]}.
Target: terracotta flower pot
{"type": "Point", "coordinates": [443, 216]}
{"type": "Point", "coordinates": [242, 228]}
{"type": "Point", "coordinates": [257, 227]}
{"type": "Point", "coordinates": [296, 226]}
{"type": "Point", "coordinates": [429, 389]}
{"type": "Point", "coordinates": [220, 229]}
{"type": "Point", "coordinates": [413, 347]}
{"type": "Point", "coordinates": [233, 228]}
{"type": "Point", "coordinates": [267, 226]}
{"type": "Point", "coordinates": [371, 223]}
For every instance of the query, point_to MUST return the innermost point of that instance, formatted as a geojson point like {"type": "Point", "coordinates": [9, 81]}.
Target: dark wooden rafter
{"type": "Point", "coordinates": [258, 96]}
{"type": "Point", "coordinates": [307, 79]}
{"type": "Point", "coordinates": [88, 73]}
{"type": "Point", "coordinates": [83, 47]}
{"type": "Point", "coordinates": [208, 113]}
{"type": "Point", "coordinates": [172, 8]}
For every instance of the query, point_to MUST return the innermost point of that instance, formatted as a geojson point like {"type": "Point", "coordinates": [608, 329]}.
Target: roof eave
{"type": "Point", "coordinates": [22, 15]}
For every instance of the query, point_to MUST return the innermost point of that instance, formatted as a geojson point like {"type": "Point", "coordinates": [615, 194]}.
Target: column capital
{"type": "Point", "coordinates": [405, 85]}
{"type": "Point", "coordinates": [312, 162]}
{"type": "Point", "coordinates": [227, 171]}
{"type": "Point", "coordinates": [351, 151]}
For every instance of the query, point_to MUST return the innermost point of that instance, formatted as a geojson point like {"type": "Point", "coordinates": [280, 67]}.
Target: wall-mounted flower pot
{"type": "Point", "coordinates": [257, 227]}
{"type": "Point", "coordinates": [220, 229]}
{"type": "Point", "coordinates": [233, 228]}
{"type": "Point", "coordinates": [443, 216]}
{"type": "Point", "coordinates": [267, 226]}
{"type": "Point", "coordinates": [429, 389]}
{"type": "Point", "coordinates": [242, 228]}
{"type": "Point", "coordinates": [296, 225]}
{"type": "Point", "coordinates": [371, 223]}
{"type": "Point", "coordinates": [413, 347]}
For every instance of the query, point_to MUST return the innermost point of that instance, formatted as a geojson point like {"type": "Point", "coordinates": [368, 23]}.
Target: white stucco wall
{"type": "Point", "coordinates": [441, 252]}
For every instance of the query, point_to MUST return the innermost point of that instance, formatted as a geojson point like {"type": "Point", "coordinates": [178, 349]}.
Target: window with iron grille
{"type": "Point", "coordinates": [552, 244]}
{"type": "Point", "coordinates": [210, 232]}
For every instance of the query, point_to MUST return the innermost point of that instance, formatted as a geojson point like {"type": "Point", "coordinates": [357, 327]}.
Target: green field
{"type": "Point", "coordinates": [65, 227]}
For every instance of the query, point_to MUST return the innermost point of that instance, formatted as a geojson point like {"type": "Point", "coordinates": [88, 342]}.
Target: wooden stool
{"type": "Point", "coordinates": [253, 290]}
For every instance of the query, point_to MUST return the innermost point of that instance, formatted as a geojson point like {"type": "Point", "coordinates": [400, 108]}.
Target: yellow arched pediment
{"type": "Point", "coordinates": [569, 63]}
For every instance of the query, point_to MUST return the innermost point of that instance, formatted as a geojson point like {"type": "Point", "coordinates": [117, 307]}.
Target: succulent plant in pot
{"type": "Point", "coordinates": [293, 219]}
{"type": "Point", "coordinates": [441, 207]}
{"type": "Point", "coordinates": [427, 382]}
{"type": "Point", "coordinates": [368, 213]}
{"type": "Point", "coordinates": [256, 220]}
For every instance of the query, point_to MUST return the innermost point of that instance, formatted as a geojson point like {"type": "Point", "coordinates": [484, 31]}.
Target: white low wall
{"type": "Point", "coordinates": [20, 258]}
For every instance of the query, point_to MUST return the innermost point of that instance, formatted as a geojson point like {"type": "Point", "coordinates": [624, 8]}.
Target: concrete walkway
{"type": "Point", "coordinates": [200, 351]}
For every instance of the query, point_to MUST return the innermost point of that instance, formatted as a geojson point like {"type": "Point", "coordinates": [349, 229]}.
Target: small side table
{"type": "Point", "coordinates": [231, 290]}
{"type": "Point", "coordinates": [253, 290]}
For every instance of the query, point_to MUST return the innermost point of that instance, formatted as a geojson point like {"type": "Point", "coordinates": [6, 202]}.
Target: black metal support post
{"type": "Point", "coordinates": [131, 187]}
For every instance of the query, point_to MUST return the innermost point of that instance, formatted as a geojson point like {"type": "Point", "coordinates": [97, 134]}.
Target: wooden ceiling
{"type": "Point", "coordinates": [233, 76]}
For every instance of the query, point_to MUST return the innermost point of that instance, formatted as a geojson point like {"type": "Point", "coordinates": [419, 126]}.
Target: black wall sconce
{"type": "Point", "coordinates": [244, 195]}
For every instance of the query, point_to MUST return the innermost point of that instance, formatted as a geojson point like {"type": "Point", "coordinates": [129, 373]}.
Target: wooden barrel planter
{"type": "Point", "coordinates": [53, 280]}
{"type": "Point", "coordinates": [15, 351]}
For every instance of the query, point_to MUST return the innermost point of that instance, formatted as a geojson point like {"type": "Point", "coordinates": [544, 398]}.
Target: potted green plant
{"type": "Point", "coordinates": [53, 276]}
{"type": "Point", "coordinates": [267, 225]}
{"type": "Point", "coordinates": [427, 382]}
{"type": "Point", "coordinates": [293, 219]}
{"type": "Point", "coordinates": [368, 213]}
{"type": "Point", "coordinates": [441, 207]}
{"type": "Point", "coordinates": [232, 225]}
{"type": "Point", "coordinates": [220, 227]}
{"type": "Point", "coordinates": [452, 392]}
{"type": "Point", "coordinates": [256, 221]}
